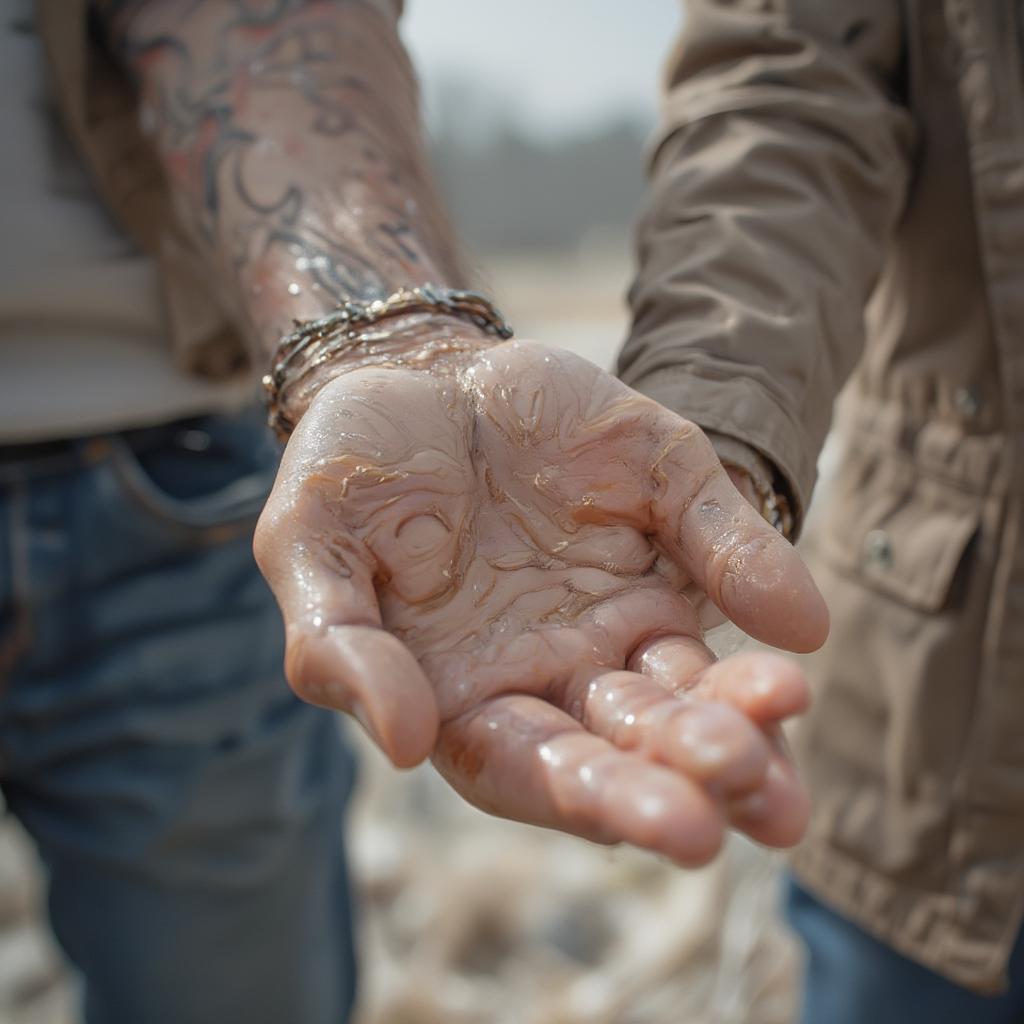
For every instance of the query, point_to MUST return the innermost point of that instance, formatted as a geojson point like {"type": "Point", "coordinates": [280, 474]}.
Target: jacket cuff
{"type": "Point", "coordinates": [726, 403]}
{"type": "Point", "coordinates": [739, 455]}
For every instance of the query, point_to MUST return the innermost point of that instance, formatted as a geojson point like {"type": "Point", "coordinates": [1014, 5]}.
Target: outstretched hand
{"type": "Point", "coordinates": [502, 567]}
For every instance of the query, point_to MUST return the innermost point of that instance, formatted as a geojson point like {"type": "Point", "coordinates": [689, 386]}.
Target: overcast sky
{"type": "Point", "coordinates": [559, 65]}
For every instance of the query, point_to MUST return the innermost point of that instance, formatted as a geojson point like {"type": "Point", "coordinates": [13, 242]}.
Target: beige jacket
{"type": "Point", "coordinates": [812, 156]}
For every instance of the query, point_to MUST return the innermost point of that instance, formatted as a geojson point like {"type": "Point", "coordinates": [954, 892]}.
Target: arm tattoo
{"type": "Point", "coordinates": [289, 133]}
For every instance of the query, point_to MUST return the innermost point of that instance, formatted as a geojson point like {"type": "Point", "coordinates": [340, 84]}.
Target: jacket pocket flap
{"type": "Point", "coordinates": [902, 533]}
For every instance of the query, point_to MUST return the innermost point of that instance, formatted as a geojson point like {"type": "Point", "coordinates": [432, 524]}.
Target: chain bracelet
{"type": "Point", "coordinates": [313, 342]}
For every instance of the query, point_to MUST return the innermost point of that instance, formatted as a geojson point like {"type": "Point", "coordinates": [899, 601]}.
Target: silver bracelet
{"type": "Point", "coordinates": [315, 342]}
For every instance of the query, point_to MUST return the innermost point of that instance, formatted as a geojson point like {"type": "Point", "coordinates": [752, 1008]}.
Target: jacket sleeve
{"type": "Point", "coordinates": [778, 176]}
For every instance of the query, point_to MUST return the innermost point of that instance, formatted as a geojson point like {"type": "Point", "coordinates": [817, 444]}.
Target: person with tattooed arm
{"type": "Point", "coordinates": [488, 551]}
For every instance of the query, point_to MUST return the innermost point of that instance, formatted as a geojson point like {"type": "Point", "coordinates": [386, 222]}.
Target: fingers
{"type": "Point", "coordinates": [521, 758]}
{"type": "Point", "coordinates": [766, 687]}
{"type": "Point", "coordinates": [337, 655]}
{"type": "Point", "coordinates": [681, 709]}
{"type": "Point", "coordinates": [672, 661]}
{"type": "Point", "coordinates": [711, 743]}
{"type": "Point", "coordinates": [745, 566]}
{"type": "Point", "coordinates": [778, 812]}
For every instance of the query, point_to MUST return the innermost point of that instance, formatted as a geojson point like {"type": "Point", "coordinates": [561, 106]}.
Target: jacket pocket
{"type": "Point", "coordinates": [897, 530]}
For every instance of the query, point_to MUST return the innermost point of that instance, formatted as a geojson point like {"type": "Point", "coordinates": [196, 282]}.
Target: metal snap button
{"type": "Point", "coordinates": [878, 549]}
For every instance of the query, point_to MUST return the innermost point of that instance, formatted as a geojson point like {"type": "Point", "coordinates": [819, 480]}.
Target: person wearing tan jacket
{"type": "Point", "coordinates": [487, 551]}
{"type": "Point", "coordinates": [838, 189]}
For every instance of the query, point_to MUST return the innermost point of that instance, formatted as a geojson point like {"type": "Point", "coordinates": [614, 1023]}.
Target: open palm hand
{"type": "Point", "coordinates": [503, 568]}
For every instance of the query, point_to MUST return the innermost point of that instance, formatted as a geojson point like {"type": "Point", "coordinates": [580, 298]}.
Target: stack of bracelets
{"type": "Point", "coordinates": [316, 342]}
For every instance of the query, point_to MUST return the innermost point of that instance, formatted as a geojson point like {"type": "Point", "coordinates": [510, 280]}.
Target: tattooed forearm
{"type": "Point", "coordinates": [289, 134]}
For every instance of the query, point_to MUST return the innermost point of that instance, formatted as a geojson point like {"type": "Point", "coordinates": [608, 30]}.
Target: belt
{"type": "Point", "coordinates": [61, 454]}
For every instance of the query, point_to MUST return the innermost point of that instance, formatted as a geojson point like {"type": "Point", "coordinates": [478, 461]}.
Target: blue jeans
{"type": "Point", "coordinates": [852, 978]}
{"type": "Point", "coordinates": [187, 807]}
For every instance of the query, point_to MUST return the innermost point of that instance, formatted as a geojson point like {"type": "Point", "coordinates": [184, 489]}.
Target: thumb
{"type": "Point", "coordinates": [748, 569]}
{"type": "Point", "coordinates": [338, 655]}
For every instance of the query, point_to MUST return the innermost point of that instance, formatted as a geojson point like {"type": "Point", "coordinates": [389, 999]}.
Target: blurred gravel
{"type": "Point", "coordinates": [466, 919]}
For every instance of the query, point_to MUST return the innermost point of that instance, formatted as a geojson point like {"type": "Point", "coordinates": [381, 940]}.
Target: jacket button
{"type": "Point", "coordinates": [966, 402]}
{"type": "Point", "coordinates": [878, 549]}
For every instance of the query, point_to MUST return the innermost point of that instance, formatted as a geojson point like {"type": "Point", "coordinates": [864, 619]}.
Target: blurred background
{"type": "Point", "coordinates": [538, 114]}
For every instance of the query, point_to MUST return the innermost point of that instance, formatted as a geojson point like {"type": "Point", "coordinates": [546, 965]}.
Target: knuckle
{"type": "Point", "coordinates": [684, 461]}
{"type": "Point", "coordinates": [682, 432]}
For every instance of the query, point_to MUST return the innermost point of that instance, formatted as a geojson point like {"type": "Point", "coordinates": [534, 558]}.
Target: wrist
{"type": "Point", "coordinates": [425, 328]}
{"type": "Point", "coordinates": [428, 342]}
{"type": "Point", "coordinates": [744, 483]}
{"type": "Point", "coordinates": [756, 479]}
